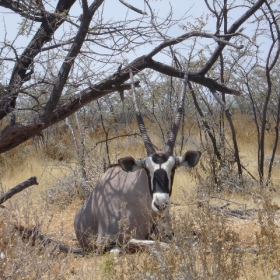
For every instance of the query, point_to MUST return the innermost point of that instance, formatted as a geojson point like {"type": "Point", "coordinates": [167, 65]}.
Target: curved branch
{"type": "Point", "coordinates": [31, 181]}
{"type": "Point", "coordinates": [193, 77]}
{"type": "Point", "coordinates": [185, 36]}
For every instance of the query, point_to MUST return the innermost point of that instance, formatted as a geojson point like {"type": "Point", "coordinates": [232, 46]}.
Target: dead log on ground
{"type": "Point", "coordinates": [31, 181]}
{"type": "Point", "coordinates": [33, 235]}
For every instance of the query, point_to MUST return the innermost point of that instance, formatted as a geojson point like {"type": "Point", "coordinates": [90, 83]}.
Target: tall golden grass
{"type": "Point", "coordinates": [209, 242]}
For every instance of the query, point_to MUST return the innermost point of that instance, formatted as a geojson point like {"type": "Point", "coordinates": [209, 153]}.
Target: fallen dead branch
{"type": "Point", "coordinates": [241, 214]}
{"type": "Point", "coordinates": [62, 247]}
{"type": "Point", "coordinates": [33, 235]}
{"type": "Point", "coordinates": [132, 246]}
{"type": "Point", "coordinates": [31, 181]}
{"type": "Point", "coordinates": [238, 213]}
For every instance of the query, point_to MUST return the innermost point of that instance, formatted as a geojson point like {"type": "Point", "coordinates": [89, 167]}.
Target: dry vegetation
{"type": "Point", "coordinates": [218, 235]}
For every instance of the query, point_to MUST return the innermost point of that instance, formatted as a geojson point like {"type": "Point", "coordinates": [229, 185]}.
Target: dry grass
{"type": "Point", "coordinates": [209, 243]}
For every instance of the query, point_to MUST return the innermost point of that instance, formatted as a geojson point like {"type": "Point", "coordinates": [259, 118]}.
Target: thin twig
{"type": "Point", "coordinates": [133, 8]}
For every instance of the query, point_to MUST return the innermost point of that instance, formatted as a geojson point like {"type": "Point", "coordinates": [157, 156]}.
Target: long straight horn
{"type": "Point", "coordinates": [175, 128]}
{"type": "Point", "coordinates": [147, 141]}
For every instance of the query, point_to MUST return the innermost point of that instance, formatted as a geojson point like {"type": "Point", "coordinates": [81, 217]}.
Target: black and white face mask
{"type": "Point", "coordinates": [160, 169]}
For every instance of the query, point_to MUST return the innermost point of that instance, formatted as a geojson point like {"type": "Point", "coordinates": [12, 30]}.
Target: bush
{"type": "Point", "coordinates": [66, 190]}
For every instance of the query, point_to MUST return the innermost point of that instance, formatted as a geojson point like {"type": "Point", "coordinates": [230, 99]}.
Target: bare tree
{"type": "Point", "coordinates": [259, 80]}
{"type": "Point", "coordinates": [253, 70]}
{"type": "Point", "coordinates": [75, 55]}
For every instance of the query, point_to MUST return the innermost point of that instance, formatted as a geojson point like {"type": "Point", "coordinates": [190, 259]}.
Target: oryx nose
{"type": "Point", "coordinates": [161, 206]}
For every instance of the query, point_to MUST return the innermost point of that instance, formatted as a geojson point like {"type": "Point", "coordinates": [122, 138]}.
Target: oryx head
{"type": "Point", "coordinates": [160, 166]}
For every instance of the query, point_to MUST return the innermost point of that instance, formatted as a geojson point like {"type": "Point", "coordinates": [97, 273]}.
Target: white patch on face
{"type": "Point", "coordinates": [160, 202]}
{"type": "Point", "coordinates": [168, 166]}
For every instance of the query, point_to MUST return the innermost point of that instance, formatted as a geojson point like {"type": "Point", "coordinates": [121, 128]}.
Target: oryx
{"type": "Point", "coordinates": [133, 195]}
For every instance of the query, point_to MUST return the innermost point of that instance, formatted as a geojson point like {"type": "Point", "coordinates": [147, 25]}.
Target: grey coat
{"type": "Point", "coordinates": [119, 208]}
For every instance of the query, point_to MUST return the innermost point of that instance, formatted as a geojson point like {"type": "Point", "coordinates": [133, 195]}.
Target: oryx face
{"type": "Point", "coordinates": [160, 168]}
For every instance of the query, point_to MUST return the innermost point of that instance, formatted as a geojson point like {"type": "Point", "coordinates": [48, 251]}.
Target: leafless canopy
{"type": "Point", "coordinates": [72, 59]}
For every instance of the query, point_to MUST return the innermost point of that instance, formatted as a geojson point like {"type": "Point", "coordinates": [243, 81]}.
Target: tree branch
{"type": "Point", "coordinates": [31, 181]}
{"type": "Point", "coordinates": [185, 36]}
{"type": "Point", "coordinates": [15, 134]}
{"type": "Point", "coordinates": [69, 59]}
{"type": "Point", "coordinates": [132, 8]}
{"type": "Point", "coordinates": [232, 30]}
{"type": "Point", "coordinates": [193, 77]}
{"type": "Point", "coordinates": [23, 10]}
{"type": "Point", "coordinates": [50, 24]}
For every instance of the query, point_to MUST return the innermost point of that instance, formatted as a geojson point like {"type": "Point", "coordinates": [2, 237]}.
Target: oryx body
{"type": "Point", "coordinates": [118, 205]}
{"type": "Point", "coordinates": [129, 200]}
{"type": "Point", "coordinates": [132, 197]}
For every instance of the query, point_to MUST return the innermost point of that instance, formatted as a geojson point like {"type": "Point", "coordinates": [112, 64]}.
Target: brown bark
{"type": "Point", "coordinates": [15, 134]}
{"type": "Point", "coordinates": [31, 181]}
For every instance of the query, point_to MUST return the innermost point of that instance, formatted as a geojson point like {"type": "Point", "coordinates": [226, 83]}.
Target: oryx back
{"type": "Point", "coordinates": [118, 209]}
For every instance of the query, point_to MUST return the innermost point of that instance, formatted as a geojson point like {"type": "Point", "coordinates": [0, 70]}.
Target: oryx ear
{"type": "Point", "coordinates": [129, 164]}
{"type": "Point", "coordinates": [189, 159]}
